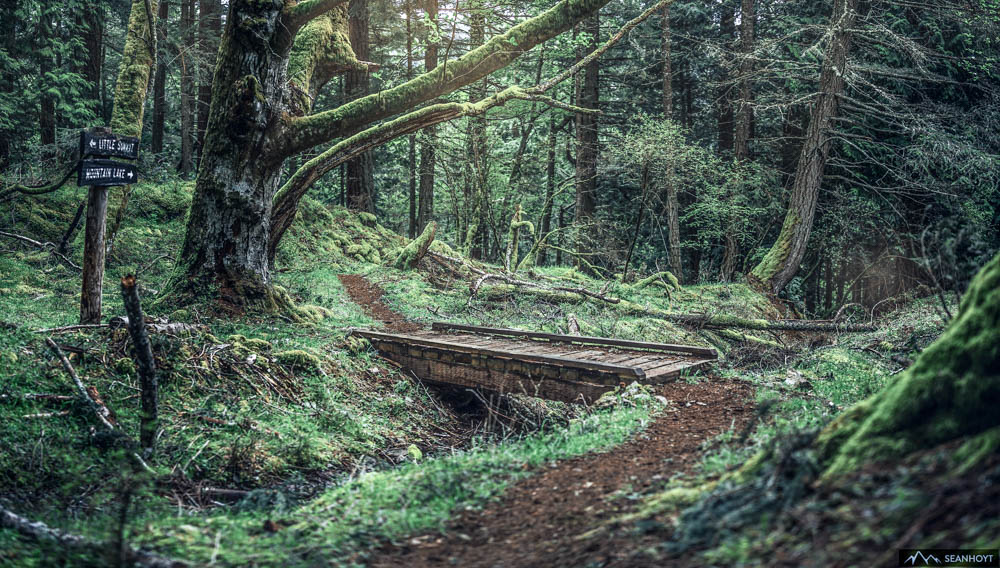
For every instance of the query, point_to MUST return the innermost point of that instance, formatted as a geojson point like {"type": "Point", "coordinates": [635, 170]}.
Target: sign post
{"type": "Point", "coordinates": [100, 174]}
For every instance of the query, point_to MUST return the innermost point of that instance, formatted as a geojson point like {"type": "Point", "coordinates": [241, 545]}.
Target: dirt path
{"type": "Point", "coordinates": [538, 520]}
{"type": "Point", "coordinates": [369, 296]}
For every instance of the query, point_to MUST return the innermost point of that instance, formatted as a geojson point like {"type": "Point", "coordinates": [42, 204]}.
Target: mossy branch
{"type": "Point", "coordinates": [298, 14]}
{"type": "Point", "coordinates": [357, 142]}
{"type": "Point", "coordinates": [413, 252]}
{"type": "Point", "coordinates": [305, 132]}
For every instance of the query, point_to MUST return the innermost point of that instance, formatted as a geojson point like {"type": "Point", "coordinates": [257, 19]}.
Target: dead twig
{"type": "Point", "coordinates": [38, 530]}
{"type": "Point", "coordinates": [44, 246]}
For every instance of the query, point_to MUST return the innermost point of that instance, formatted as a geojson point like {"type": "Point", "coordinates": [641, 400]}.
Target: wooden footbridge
{"type": "Point", "coordinates": [559, 367]}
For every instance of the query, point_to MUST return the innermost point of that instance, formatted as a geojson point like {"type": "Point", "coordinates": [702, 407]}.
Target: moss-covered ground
{"type": "Point", "coordinates": [343, 451]}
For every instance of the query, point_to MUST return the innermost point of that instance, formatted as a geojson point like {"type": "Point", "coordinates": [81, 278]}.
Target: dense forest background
{"type": "Point", "coordinates": [704, 110]}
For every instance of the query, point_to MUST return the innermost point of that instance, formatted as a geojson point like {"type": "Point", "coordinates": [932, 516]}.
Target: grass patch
{"type": "Point", "coordinates": [379, 506]}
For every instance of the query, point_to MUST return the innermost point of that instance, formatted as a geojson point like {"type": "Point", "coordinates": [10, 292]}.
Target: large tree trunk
{"type": "Point", "coordinates": [744, 105]}
{"type": "Point", "coordinates": [668, 77]}
{"type": "Point", "coordinates": [93, 42]}
{"type": "Point", "coordinates": [225, 246]}
{"type": "Point", "coordinates": [550, 192]}
{"type": "Point", "coordinates": [425, 214]}
{"type": "Point", "coordinates": [477, 164]}
{"type": "Point", "coordinates": [411, 152]}
{"type": "Point", "coordinates": [724, 96]}
{"type": "Point", "coordinates": [186, 165]}
{"type": "Point", "coordinates": [743, 128]}
{"type": "Point", "coordinates": [47, 103]}
{"type": "Point", "coordinates": [209, 30]}
{"type": "Point", "coordinates": [586, 143]}
{"type": "Point", "coordinates": [360, 171]}
{"type": "Point", "coordinates": [160, 80]}
{"type": "Point", "coordinates": [782, 261]}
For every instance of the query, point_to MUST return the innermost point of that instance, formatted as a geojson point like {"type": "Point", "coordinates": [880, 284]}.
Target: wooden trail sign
{"type": "Point", "coordinates": [106, 173]}
{"type": "Point", "coordinates": [98, 172]}
{"type": "Point", "coordinates": [108, 145]}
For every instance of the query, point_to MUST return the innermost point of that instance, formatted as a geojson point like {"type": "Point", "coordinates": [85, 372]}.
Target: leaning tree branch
{"type": "Point", "coordinates": [288, 196]}
{"type": "Point", "coordinates": [38, 189]}
{"type": "Point", "coordinates": [101, 412]}
{"type": "Point", "coordinates": [44, 246]}
{"type": "Point", "coordinates": [305, 132]}
{"type": "Point", "coordinates": [298, 14]}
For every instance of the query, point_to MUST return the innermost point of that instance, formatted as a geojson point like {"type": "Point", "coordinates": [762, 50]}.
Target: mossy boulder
{"type": "Point", "coordinates": [298, 359]}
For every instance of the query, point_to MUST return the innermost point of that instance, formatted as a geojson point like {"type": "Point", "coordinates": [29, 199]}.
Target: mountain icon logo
{"type": "Point", "coordinates": [925, 560]}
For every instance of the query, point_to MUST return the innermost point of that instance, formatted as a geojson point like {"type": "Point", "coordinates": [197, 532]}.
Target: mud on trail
{"type": "Point", "coordinates": [369, 296]}
{"type": "Point", "coordinates": [540, 520]}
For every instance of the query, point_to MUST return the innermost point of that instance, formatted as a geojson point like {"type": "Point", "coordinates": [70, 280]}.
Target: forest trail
{"type": "Point", "coordinates": [539, 520]}
{"type": "Point", "coordinates": [369, 296]}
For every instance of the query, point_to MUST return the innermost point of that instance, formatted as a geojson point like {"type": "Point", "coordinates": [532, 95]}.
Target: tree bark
{"type": "Point", "coordinates": [360, 170]}
{"type": "Point", "coordinates": [411, 152]}
{"type": "Point", "coordinates": [587, 143]}
{"type": "Point", "coordinates": [724, 96]}
{"type": "Point", "coordinates": [186, 164]}
{"type": "Point", "coordinates": [668, 78]}
{"type": "Point", "coordinates": [160, 80]}
{"type": "Point", "coordinates": [782, 261]}
{"type": "Point", "coordinates": [744, 106]}
{"type": "Point", "coordinates": [550, 192]}
{"type": "Point", "coordinates": [145, 364]}
{"type": "Point", "coordinates": [674, 230]}
{"type": "Point", "coordinates": [225, 245]}
{"type": "Point", "coordinates": [425, 213]}
{"type": "Point", "coordinates": [209, 31]}
{"type": "Point", "coordinates": [47, 103]}
{"type": "Point", "coordinates": [93, 41]}
{"type": "Point", "coordinates": [743, 127]}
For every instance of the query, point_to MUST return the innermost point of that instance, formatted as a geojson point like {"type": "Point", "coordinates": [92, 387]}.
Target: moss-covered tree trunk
{"type": "Point", "coordinates": [782, 261]}
{"type": "Point", "coordinates": [425, 207]}
{"type": "Point", "coordinates": [260, 115]}
{"type": "Point", "coordinates": [186, 164]}
{"type": "Point", "coordinates": [225, 246]}
{"type": "Point", "coordinates": [951, 391]}
{"type": "Point", "coordinates": [360, 179]}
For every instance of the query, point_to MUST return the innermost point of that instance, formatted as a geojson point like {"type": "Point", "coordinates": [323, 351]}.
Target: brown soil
{"type": "Point", "coordinates": [540, 520]}
{"type": "Point", "coordinates": [369, 296]}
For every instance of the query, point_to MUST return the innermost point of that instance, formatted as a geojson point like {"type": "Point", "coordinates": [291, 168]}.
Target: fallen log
{"type": "Point", "coordinates": [725, 321]}
{"type": "Point", "coordinates": [40, 531]}
{"type": "Point", "coordinates": [565, 294]}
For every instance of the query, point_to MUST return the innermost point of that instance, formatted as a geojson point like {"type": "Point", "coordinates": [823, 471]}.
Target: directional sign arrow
{"type": "Point", "coordinates": [106, 173]}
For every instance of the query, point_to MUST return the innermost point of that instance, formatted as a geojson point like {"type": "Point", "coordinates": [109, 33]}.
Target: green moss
{"type": "Point", "coordinates": [976, 449]}
{"type": "Point", "coordinates": [949, 392]}
{"type": "Point", "coordinates": [413, 252]}
{"type": "Point", "coordinates": [299, 359]}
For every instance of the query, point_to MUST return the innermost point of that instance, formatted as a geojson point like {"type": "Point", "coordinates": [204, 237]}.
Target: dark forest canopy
{"type": "Point", "coordinates": [831, 153]}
